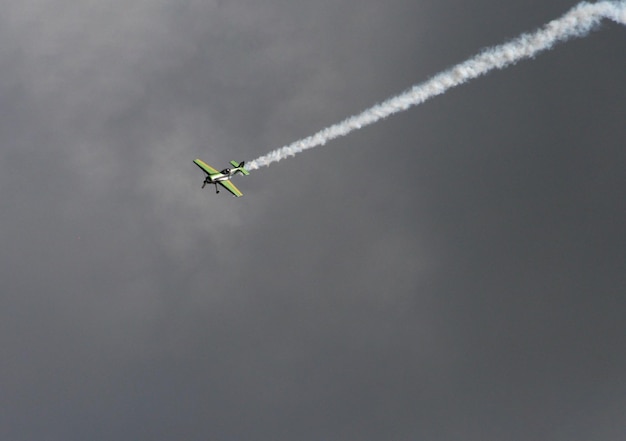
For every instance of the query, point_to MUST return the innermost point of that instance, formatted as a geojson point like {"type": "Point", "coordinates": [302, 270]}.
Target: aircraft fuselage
{"type": "Point", "coordinates": [224, 175]}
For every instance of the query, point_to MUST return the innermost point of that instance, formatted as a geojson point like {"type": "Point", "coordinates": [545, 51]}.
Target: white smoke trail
{"type": "Point", "coordinates": [579, 21]}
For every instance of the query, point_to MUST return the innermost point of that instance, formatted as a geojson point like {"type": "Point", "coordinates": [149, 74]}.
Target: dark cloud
{"type": "Point", "coordinates": [456, 271]}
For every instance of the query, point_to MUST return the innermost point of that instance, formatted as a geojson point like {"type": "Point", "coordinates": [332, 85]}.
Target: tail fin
{"type": "Point", "coordinates": [239, 167]}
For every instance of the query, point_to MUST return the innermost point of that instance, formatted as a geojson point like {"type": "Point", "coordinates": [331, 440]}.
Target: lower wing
{"type": "Point", "coordinates": [231, 187]}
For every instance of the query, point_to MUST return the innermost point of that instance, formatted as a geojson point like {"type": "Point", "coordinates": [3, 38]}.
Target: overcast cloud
{"type": "Point", "coordinates": [456, 271]}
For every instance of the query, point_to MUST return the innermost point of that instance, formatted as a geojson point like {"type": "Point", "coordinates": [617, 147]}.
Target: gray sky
{"type": "Point", "coordinates": [456, 271]}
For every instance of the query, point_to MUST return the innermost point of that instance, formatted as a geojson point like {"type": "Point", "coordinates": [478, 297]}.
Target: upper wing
{"type": "Point", "coordinates": [231, 187]}
{"type": "Point", "coordinates": [204, 166]}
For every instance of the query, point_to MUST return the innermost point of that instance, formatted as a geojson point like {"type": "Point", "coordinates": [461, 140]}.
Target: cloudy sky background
{"type": "Point", "coordinates": [454, 272]}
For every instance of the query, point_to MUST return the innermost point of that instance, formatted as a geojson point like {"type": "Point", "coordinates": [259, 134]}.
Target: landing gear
{"type": "Point", "coordinates": [207, 181]}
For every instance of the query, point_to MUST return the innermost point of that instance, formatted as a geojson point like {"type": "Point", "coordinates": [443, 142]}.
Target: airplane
{"type": "Point", "coordinates": [223, 178]}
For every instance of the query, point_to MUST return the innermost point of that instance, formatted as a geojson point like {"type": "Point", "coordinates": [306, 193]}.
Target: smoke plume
{"type": "Point", "coordinates": [578, 22]}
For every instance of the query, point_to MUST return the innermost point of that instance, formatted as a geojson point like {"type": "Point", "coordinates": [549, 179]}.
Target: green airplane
{"type": "Point", "coordinates": [223, 178]}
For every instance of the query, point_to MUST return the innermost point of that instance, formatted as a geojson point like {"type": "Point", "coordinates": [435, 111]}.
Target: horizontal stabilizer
{"type": "Point", "coordinates": [239, 167]}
